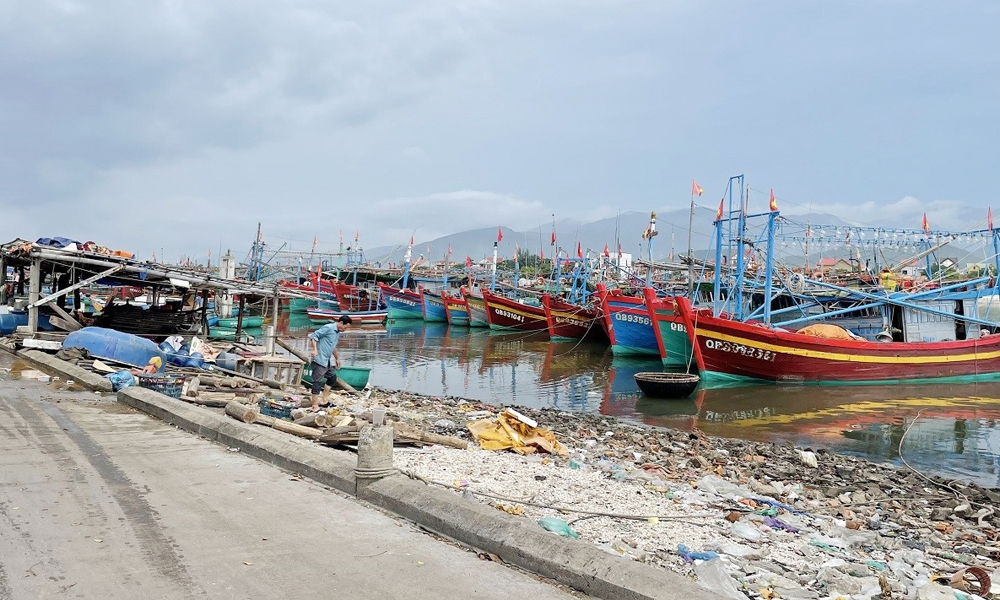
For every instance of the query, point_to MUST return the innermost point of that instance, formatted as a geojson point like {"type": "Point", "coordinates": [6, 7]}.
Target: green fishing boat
{"type": "Point", "coordinates": [356, 377]}
{"type": "Point", "coordinates": [248, 322]}
{"type": "Point", "coordinates": [229, 333]}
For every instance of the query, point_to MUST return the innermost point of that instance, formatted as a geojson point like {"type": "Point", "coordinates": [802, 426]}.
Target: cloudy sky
{"type": "Point", "coordinates": [179, 124]}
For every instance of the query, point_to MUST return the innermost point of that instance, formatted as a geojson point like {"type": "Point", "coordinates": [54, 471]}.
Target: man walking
{"type": "Point", "coordinates": [325, 358]}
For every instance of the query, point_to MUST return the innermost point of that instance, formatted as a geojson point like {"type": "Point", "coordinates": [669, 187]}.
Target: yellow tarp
{"type": "Point", "coordinates": [508, 432]}
{"type": "Point", "coordinates": [824, 330]}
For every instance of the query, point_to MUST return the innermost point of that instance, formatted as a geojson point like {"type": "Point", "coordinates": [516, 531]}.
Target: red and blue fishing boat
{"type": "Point", "coordinates": [401, 303]}
{"type": "Point", "coordinates": [506, 313]}
{"type": "Point", "coordinates": [432, 306]}
{"type": "Point", "coordinates": [456, 309]}
{"type": "Point", "coordinates": [626, 321]}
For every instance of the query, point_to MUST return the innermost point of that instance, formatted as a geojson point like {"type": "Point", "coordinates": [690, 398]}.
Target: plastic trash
{"type": "Point", "coordinates": [779, 524]}
{"type": "Point", "coordinates": [559, 526]}
{"type": "Point", "coordinates": [690, 555]}
{"type": "Point", "coordinates": [713, 577]}
{"type": "Point", "coordinates": [808, 458]}
{"type": "Point", "coordinates": [120, 379]}
{"type": "Point", "coordinates": [747, 531]}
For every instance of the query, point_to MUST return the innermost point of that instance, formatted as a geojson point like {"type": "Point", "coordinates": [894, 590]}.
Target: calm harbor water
{"type": "Point", "coordinates": [950, 430]}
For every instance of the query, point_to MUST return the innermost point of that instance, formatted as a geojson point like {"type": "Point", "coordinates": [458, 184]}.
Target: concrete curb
{"type": "Point", "coordinates": [574, 563]}
{"type": "Point", "coordinates": [91, 381]}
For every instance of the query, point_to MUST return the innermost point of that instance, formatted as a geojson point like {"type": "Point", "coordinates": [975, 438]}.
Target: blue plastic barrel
{"type": "Point", "coordinates": [115, 345]}
{"type": "Point", "coordinates": [11, 321]}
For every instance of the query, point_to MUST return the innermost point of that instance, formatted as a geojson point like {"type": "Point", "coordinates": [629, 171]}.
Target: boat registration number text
{"type": "Point", "coordinates": [626, 317]}
{"type": "Point", "coordinates": [508, 314]}
{"type": "Point", "coordinates": [740, 349]}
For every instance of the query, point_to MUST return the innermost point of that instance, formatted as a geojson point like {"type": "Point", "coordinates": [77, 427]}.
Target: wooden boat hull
{"type": "Point", "coordinates": [668, 326]}
{"type": "Point", "coordinates": [433, 307]}
{"type": "Point", "coordinates": [627, 323]}
{"type": "Point", "coordinates": [477, 310]}
{"type": "Point", "coordinates": [401, 304]}
{"type": "Point", "coordinates": [567, 321]}
{"type": "Point", "coordinates": [456, 309]}
{"type": "Point", "coordinates": [365, 317]}
{"type": "Point", "coordinates": [727, 349]}
{"type": "Point", "coordinates": [503, 313]}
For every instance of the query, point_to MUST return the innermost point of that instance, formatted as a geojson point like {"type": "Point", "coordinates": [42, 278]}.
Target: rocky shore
{"type": "Point", "coordinates": [742, 517]}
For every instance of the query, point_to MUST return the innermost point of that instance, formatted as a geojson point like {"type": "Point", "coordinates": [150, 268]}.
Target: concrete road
{"type": "Point", "coordinates": [100, 501]}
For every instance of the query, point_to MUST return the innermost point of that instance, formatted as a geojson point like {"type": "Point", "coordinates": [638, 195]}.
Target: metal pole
{"type": "Point", "coordinates": [690, 262]}
{"type": "Point", "coordinates": [769, 267]}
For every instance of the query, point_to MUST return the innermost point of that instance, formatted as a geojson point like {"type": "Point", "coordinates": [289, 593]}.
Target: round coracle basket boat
{"type": "Point", "coordinates": [667, 385]}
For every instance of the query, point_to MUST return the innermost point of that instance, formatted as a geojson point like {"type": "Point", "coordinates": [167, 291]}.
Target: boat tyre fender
{"type": "Point", "coordinates": [797, 283]}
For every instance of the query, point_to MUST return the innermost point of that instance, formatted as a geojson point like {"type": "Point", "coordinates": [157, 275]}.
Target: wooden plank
{"type": "Point", "coordinates": [74, 325]}
{"type": "Point", "coordinates": [77, 286]}
{"type": "Point", "coordinates": [41, 344]}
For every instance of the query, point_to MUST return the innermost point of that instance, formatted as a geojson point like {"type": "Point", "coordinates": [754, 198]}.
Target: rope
{"type": "Point", "coordinates": [588, 513]}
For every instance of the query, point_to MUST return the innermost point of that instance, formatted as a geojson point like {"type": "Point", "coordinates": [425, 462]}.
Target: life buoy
{"type": "Point", "coordinates": [797, 283]}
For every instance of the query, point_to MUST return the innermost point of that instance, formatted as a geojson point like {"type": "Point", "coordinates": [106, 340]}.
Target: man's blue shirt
{"type": "Point", "coordinates": [326, 338]}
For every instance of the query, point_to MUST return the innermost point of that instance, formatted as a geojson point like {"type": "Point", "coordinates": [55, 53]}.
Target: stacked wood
{"type": "Point", "coordinates": [407, 432]}
{"type": "Point", "coordinates": [299, 430]}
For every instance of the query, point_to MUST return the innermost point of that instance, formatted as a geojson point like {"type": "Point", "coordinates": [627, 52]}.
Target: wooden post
{"type": "Point", "coordinates": [34, 291]}
{"type": "Point", "coordinates": [274, 319]}
{"type": "Point", "coordinates": [239, 317]}
{"type": "Point", "coordinates": [204, 312]}
{"type": "Point", "coordinates": [3, 279]}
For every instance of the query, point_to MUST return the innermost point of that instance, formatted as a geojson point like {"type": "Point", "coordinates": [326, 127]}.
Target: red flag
{"type": "Point", "coordinates": [619, 250]}
{"type": "Point", "coordinates": [468, 261]}
{"type": "Point", "coordinates": [541, 253]}
{"type": "Point", "coordinates": [774, 203]}
{"type": "Point", "coordinates": [499, 234]}
{"type": "Point", "coordinates": [356, 234]}
{"type": "Point", "coordinates": [411, 240]}
{"type": "Point", "coordinates": [579, 250]}
{"type": "Point", "coordinates": [606, 253]}
{"type": "Point", "coordinates": [449, 249]}
{"type": "Point", "coordinates": [314, 243]}
{"type": "Point", "coordinates": [925, 225]}
{"type": "Point", "coordinates": [989, 221]}
{"type": "Point", "coordinates": [696, 190]}
{"type": "Point", "coordinates": [718, 215]}
{"type": "Point", "coordinates": [553, 237]}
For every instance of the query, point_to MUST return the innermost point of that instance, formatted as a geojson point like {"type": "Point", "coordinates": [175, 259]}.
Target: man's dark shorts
{"type": "Point", "coordinates": [321, 373]}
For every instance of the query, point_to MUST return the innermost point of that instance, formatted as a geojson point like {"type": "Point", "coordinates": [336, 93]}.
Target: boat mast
{"type": "Point", "coordinates": [769, 266]}
{"type": "Point", "coordinates": [689, 252]}
{"type": "Point", "coordinates": [493, 282]}
{"type": "Point", "coordinates": [650, 233]}
{"type": "Point", "coordinates": [406, 263]}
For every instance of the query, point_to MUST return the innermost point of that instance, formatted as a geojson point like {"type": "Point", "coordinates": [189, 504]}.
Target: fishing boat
{"type": "Point", "coordinates": [248, 322]}
{"type": "Point", "coordinates": [626, 321]}
{"type": "Point", "coordinates": [477, 309]}
{"type": "Point", "coordinates": [506, 313]}
{"type": "Point", "coordinates": [668, 327]}
{"type": "Point", "coordinates": [456, 309]}
{"type": "Point", "coordinates": [568, 321]}
{"type": "Point", "coordinates": [930, 335]}
{"type": "Point", "coordinates": [358, 317]}
{"type": "Point", "coordinates": [401, 303]}
{"type": "Point", "coordinates": [356, 377]}
{"type": "Point", "coordinates": [432, 306]}
{"type": "Point", "coordinates": [729, 349]}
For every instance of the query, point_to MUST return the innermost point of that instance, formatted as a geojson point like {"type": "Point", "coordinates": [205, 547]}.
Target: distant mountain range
{"type": "Point", "coordinates": [626, 230]}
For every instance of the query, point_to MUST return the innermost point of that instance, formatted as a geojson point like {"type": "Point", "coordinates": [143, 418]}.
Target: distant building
{"type": "Point", "coordinates": [834, 265]}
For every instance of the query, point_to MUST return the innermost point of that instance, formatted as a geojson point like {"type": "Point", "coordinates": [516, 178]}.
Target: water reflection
{"type": "Point", "coordinates": [954, 430]}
